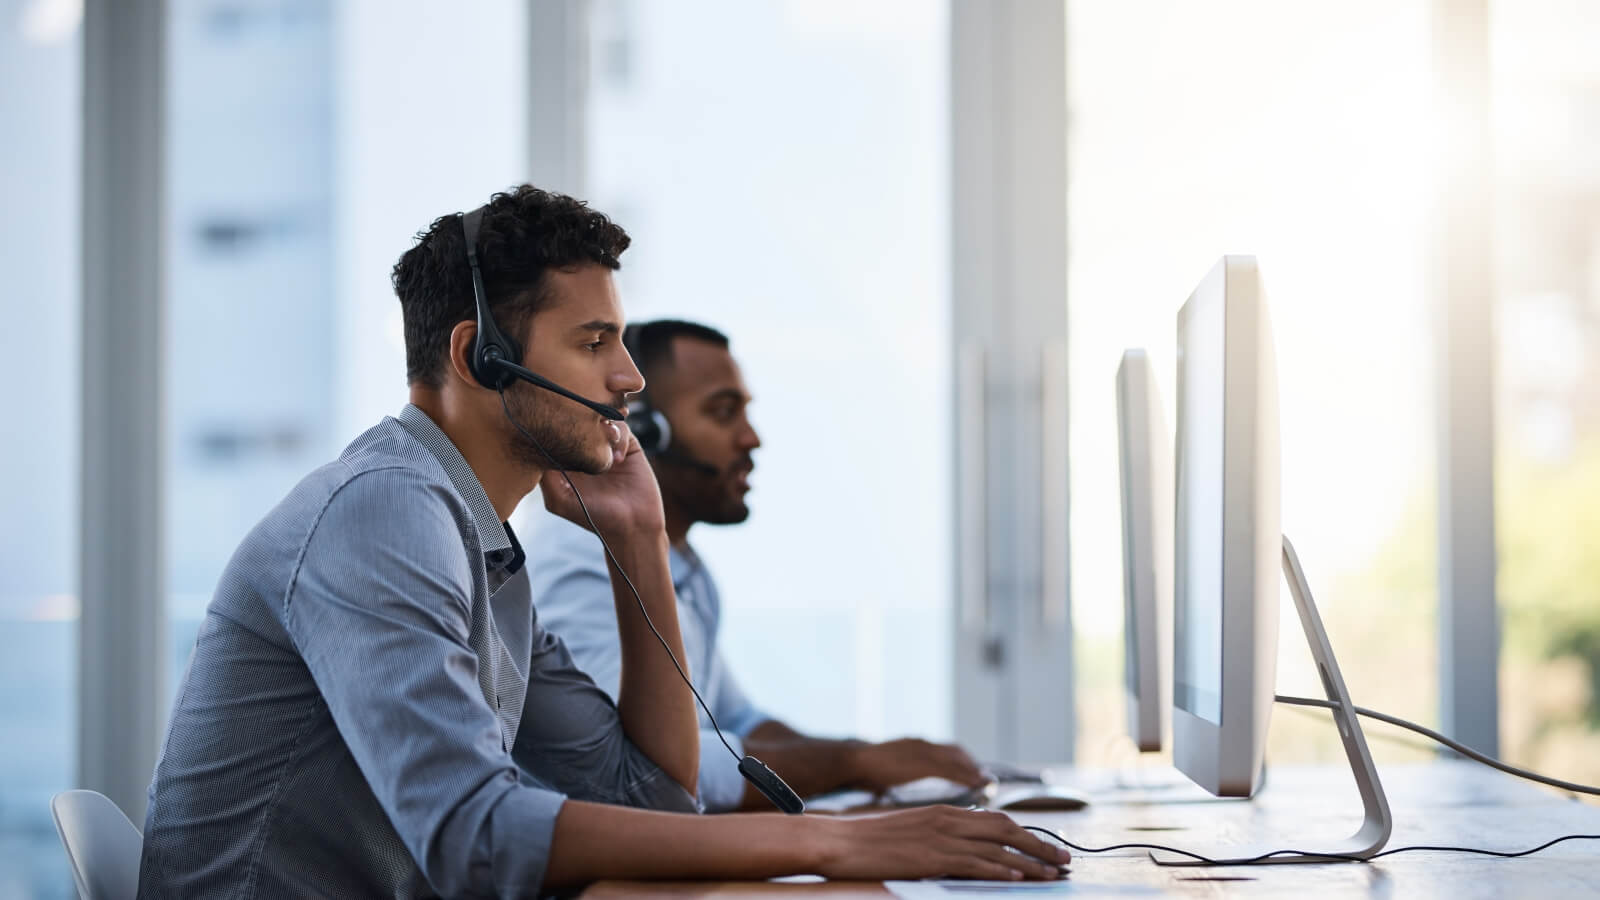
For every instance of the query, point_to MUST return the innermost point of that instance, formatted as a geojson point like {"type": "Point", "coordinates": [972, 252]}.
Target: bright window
{"type": "Point", "coordinates": [782, 167]}
{"type": "Point", "coordinates": [41, 52]}
{"type": "Point", "coordinates": [1296, 134]}
{"type": "Point", "coordinates": [286, 214]}
{"type": "Point", "coordinates": [1546, 107]}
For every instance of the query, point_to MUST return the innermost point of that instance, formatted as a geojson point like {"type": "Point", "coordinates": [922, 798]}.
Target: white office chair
{"type": "Point", "coordinates": [102, 845]}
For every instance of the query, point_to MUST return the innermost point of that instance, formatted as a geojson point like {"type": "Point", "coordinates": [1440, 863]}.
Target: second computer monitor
{"type": "Point", "coordinates": [1228, 542]}
{"type": "Point", "coordinates": [1145, 466]}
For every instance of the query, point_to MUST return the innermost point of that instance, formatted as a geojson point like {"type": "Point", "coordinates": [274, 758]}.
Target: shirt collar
{"type": "Point", "coordinates": [682, 565]}
{"type": "Point", "coordinates": [492, 533]}
{"type": "Point", "coordinates": [511, 558]}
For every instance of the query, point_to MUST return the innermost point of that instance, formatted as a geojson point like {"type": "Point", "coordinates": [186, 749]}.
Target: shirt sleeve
{"type": "Point", "coordinates": [735, 711]}
{"type": "Point", "coordinates": [380, 611]}
{"type": "Point", "coordinates": [721, 784]}
{"type": "Point", "coordinates": [571, 738]}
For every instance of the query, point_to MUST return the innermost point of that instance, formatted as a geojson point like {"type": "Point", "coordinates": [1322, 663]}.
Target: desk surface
{"type": "Point", "coordinates": [1453, 803]}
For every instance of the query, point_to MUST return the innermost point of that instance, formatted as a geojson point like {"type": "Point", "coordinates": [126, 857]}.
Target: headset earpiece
{"type": "Point", "coordinates": [491, 347]}
{"type": "Point", "coordinates": [644, 420]}
{"type": "Point", "coordinates": [649, 426]}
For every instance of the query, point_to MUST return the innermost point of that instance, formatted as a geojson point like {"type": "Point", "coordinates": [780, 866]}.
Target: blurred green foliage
{"type": "Point", "coordinates": [1549, 563]}
{"type": "Point", "coordinates": [1383, 622]}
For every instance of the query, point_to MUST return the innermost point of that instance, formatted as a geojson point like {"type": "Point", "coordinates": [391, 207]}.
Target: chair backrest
{"type": "Point", "coordinates": [102, 845]}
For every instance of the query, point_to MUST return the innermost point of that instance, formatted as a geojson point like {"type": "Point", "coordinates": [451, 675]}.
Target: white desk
{"type": "Point", "coordinates": [1456, 803]}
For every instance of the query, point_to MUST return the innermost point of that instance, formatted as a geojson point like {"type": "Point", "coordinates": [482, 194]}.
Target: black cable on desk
{"type": "Point", "coordinates": [1342, 857]}
{"type": "Point", "coordinates": [1336, 857]}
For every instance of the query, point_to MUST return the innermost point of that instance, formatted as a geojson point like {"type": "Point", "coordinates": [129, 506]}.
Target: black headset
{"type": "Point", "coordinates": [647, 423]}
{"type": "Point", "coordinates": [495, 356]}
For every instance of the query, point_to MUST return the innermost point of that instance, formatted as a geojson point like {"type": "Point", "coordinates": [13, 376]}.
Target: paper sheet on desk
{"type": "Point", "coordinates": [1066, 887]}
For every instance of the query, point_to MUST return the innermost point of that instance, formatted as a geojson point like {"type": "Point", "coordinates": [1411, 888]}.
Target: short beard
{"type": "Point", "coordinates": [729, 514]}
{"type": "Point", "coordinates": [555, 441]}
{"type": "Point", "coordinates": [689, 493]}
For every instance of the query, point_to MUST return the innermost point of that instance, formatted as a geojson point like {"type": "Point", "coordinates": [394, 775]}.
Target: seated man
{"type": "Point", "coordinates": [373, 707]}
{"type": "Point", "coordinates": [694, 409]}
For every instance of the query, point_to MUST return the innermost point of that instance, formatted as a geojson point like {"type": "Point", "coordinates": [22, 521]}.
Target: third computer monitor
{"type": "Point", "coordinates": [1145, 469]}
{"type": "Point", "coordinates": [1227, 541]}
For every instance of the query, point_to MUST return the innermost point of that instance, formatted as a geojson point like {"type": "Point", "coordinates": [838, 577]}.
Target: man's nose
{"type": "Point", "coordinates": [748, 439]}
{"type": "Point", "coordinates": [626, 381]}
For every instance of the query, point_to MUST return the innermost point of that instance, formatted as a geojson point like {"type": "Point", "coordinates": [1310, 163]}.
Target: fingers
{"type": "Point", "coordinates": [911, 758]}
{"type": "Point", "coordinates": [992, 862]}
{"type": "Point", "coordinates": [555, 490]}
{"type": "Point", "coordinates": [946, 841]}
{"type": "Point", "coordinates": [949, 761]}
{"type": "Point", "coordinates": [999, 829]}
{"type": "Point", "coordinates": [979, 868]}
{"type": "Point", "coordinates": [1029, 867]}
{"type": "Point", "coordinates": [623, 443]}
{"type": "Point", "coordinates": [1037, 847]}
{"type": "Point", "coordinates": [962, 766]}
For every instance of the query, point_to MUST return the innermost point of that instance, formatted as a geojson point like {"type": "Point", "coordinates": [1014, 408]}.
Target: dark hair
{"type": "Point", "coordinates": [525, 233]}
{"type": "Point", "coordinates": [650, 343]}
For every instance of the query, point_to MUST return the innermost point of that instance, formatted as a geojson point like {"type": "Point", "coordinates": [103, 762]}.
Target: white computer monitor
{"type": "Point", "coordinates": [1228, 541]}
{"type": "Point", "coordinates": [1229, 549]}
{"type": "Point", "coordinates": [1145, 463]}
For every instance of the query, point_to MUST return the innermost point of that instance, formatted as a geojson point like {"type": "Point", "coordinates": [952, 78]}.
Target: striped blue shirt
{"type": "Point", "coordinates": [373, 708]}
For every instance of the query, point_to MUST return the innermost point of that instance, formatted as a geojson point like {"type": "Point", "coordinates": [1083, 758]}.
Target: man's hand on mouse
{"type": "Point", "coordinates": [881, 766]}
{"type": "Point", "coordinates": [934, 841]}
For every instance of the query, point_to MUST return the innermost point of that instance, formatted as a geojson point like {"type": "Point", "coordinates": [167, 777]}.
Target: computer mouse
{"type": "Point", "coordinates": [1038, 798]}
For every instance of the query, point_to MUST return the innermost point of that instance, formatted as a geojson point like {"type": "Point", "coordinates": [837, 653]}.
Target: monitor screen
{"type": "Point", "coordinates": [1197, 595]}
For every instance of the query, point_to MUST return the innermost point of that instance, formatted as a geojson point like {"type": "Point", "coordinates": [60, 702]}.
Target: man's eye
{"type": "Point", "coordinates": [593, 346]}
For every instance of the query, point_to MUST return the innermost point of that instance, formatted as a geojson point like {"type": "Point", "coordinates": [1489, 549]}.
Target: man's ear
{"type": "Point", "coordinates": [462, 339]}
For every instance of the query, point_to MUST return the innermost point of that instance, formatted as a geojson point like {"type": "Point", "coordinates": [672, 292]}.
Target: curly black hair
{"type": "Point", "coordinates": [525, 233]}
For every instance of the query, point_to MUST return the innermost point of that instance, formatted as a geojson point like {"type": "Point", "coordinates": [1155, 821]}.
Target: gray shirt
{"type": "Point", "coordinates": [372, 707]}
{"type": "Point", "coordinates": [573, 594]}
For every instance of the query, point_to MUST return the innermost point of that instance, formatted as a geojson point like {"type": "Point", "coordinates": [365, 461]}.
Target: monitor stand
{"type": "Point", "coordinates": [1377, 822]}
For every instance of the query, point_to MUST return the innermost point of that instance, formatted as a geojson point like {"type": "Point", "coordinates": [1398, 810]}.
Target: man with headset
{"type": "Point", "coordinates": [691, 421]}
{"type": "Point", "coordinates": [373, 706]}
